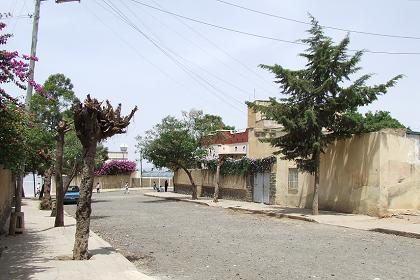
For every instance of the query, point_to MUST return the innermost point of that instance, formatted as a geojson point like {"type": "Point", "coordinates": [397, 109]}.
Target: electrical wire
{"type": "Point", "coordinates": [189, 71]}
{"type": "Point", "coordinates": [324, 26]}
{"type": "Point", "coordinates": [198, 66]}
{"type": "Point", "coordinates": [199, 80]}
{"type": "Point", "coordinates": [225, 53]}
{"type": "Point", "coordinates": [258, 35]}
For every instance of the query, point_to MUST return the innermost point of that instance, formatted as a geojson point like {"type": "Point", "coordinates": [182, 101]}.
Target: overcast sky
{"type": "Point", "coordinates": [216, 70]}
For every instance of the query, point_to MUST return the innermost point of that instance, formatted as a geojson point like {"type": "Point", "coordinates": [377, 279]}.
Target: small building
{"type": "Point", "coordinates": [227, 143]}
{"type": "Point", "coordinates": [373, 173]}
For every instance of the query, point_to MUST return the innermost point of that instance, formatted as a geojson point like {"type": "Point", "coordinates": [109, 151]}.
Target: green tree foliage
{"type": "Point", "coordinates": [56, 107]}
{"type": "Point", "coordinates": [379, 120]}
{"type": "Point", "coordinates": [40, 142]}
{"type": "Point", "coordinates": [204, 124]}
{"type": "Point", "coordinates": [320, 101]}
{"type": "Point", "coordinates": [73, 154]}
{"type": "Point", "coordinates": [173, 144]}
{"type": "Point", "coordinates": [13, 129]}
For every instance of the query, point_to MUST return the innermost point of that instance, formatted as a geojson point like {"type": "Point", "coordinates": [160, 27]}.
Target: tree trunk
{"type": "Point", "coordinates": [19, 189]}
{"type": "Point", "coordinates": [316, 184]}
{"type": "Point", "coordinates": [80, 250]}
{"type": "Point", "coordinates": [58, 176]}
{"type": "Point", "coordinates": [194, 187]}
{"type": "Point", "coordinates": [71, 177]}
{"type": "Point", "coordinates": [217, 183]}
{"type": "Point", "coordinates": [33, 178]}
{"type": "Point", "coordinates": [46, 197]}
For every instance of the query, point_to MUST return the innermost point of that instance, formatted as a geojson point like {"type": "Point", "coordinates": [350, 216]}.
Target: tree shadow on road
{"type": "Point", "coordinates": [158, 201]}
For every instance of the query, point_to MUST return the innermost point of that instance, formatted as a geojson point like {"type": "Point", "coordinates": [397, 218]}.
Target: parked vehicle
{"type": "Point", "coordinates": [72, 195]}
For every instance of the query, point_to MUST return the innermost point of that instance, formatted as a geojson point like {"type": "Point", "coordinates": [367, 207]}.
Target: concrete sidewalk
{"type": "Point", "coordinates": [44, 252]}
{"type": "Point", "coordinates": [399, 225]}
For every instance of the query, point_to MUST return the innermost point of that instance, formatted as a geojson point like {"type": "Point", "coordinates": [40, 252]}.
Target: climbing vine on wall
{"type": "Point", "coordinates": [241, 166]}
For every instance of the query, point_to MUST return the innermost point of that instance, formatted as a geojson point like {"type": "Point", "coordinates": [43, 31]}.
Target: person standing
{"type": "Point", "coordinates": [38, 190]}
{"type": "Point", "coordinates": [126, 191]}
{"type": "Point", "coordinates": [166, 185]}
{"type": "Point", "coordinates": [98, 188]}
{"type": "Point", "coordinates": [155, 187]}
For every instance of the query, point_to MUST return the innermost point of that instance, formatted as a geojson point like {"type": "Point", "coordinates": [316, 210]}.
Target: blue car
{"type": "Point", "coordinates": [72, 195]}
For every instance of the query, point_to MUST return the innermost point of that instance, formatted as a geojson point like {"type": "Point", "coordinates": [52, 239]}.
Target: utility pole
{"type": "Point", "coordinates": [33, 53]}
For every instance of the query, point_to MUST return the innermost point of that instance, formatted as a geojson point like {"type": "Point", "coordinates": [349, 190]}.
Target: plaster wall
{"type": "Point", "coordinates": [6, 198]}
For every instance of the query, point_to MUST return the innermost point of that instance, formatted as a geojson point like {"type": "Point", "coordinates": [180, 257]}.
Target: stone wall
{"type": "Point", "coordinates": [6, 198]}
{"type": "Point", "coordinates": [110, 181]}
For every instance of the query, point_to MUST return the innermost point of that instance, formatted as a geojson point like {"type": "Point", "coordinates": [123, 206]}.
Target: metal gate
{"type": "Point", "coordinates": [261, 191]}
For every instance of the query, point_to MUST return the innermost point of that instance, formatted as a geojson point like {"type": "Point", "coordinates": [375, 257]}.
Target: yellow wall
{"type": "Point", "coordinates": [6, 196]}
{"type": "Point", "coordinates": [400, 172]}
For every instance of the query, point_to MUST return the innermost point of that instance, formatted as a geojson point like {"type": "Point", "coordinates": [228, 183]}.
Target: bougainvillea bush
{"type": "Point", "coordinates": [116, 167]}
{"type": "Point", "coordinates": [15, 124]}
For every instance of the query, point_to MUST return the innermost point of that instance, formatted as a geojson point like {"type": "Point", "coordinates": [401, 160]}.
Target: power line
{"type": "Point", "coordinates": [131, 46]}
{"type": "Point", "coordinates": [177, 55]}
{"type": "Point", "coordinates": [223, 51]}
{"type": "Point", "coordinates": [198, 66]}
{"type": "Point", "coordinates": [258, 35]}
{"type": "Point", "coordinates": [324, 26]}
{"type": "Point", "coordinates": [125, 19]}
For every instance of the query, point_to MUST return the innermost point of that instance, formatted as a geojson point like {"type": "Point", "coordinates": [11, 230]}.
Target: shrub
{"type": "Point", "coordinates": [116, 167]}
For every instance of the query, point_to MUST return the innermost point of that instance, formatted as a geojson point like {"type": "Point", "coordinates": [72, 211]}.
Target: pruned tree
{"type": "Point", "coordinates": [62, 128]}
{"type": "Point", "coordinates": [93, 123]}
{"type": "Point", "coordinates": [320, 103]}
{"type": "Point", "coordinates": [172, 144]}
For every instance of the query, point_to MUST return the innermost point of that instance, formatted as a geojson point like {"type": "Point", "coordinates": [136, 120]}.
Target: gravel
{"type": "Point", "coordinates": [180, 240]}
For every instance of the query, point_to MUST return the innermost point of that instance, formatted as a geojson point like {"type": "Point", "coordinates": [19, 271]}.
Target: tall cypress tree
{"type": "Point", "coordinates": [321, 101]}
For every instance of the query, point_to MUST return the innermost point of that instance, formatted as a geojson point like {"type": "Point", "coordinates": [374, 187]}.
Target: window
{"type": "Point", "coordinates": [236, 149]}
{"type": "Point", "coordinates": [293, 179]}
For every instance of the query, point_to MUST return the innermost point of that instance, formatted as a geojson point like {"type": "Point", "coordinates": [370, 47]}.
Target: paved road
{"type": "Point", "coordinates": [180, 240]}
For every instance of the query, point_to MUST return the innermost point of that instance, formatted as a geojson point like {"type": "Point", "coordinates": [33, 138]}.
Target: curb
{"type": "Point", "coordinates": [296, 217]}
{"type": "Point", "coordinates": [274, 214]}
{"type": "Point", "coordinates": [178, 199]}
{"type": "Point", "coordinates": [268, 213]}
{"type": "Point", "coordinates": [396, 232]}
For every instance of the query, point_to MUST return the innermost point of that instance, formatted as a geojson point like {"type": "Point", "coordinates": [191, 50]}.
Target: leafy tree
{"type": "Point", "coordinates": [14, 69]}
{"type": "Point", "coordinates": [93, 124]}
{"type": "Point", "coordinates": [379, 120]}
{"type": "Point", "coordinates": [204, 124]}
{"type": "Point", "coordinates": [320, 101]}
{"type": "Point", "coordinates": [54, 112]}
{"type": "Point", "coordinates": [73, 156]}
{"type": "Point", "coordinates": [174, 145]}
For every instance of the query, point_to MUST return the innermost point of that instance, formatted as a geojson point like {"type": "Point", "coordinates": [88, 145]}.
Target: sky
{"type": "Point", "coordinates": [191, 65]}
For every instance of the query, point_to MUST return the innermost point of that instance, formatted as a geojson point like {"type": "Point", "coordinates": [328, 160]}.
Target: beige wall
{"type": "Point", "coordinates": [6, 197]}
{"type": "Point", "coordinates": [349, 179]}
{"type": "Point", "coordinates": [367, 174]}
{"type": "Point", "coordinates": [399, 172]}
{"type": "Point", "coordinates": [118, 181]}
{"type": "Point", "coordinates": [206, 178]}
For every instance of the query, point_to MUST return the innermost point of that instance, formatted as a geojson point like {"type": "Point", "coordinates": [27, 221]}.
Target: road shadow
{"type": "Point", "coordinates": [99, 217]}
{"type": "Point", "coordinates": [20, 258]}
{"type": "Point", "coordinates": [102, 251]}
{"type": "Point", "coordinates": [158, 201]}
{"type": "Point", "coordinates": [100, 200]}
